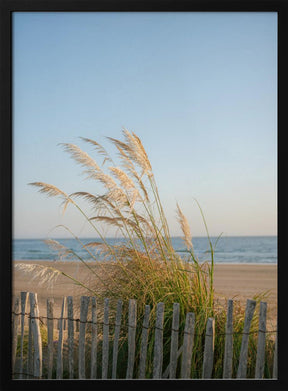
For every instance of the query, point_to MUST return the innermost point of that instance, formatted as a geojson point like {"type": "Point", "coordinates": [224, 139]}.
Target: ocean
{"type": "Point", "coordinates": [229, 249]}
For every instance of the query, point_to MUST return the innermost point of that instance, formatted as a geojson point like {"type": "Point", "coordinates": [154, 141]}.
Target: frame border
{"type": "Point", "coordinates": [7, 7]}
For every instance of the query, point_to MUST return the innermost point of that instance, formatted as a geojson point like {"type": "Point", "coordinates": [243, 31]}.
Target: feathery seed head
{"type": "Point", "coordinates": [185, 228]}
{"type": "Point", "coordinates": [137, 152]}
{"type": "Point", "coordinates": [99, 148]}
{"type": "Point", "coordinates": [62, 250]}
{"type": "Point", "coordinates": [43, 274]}
{"type": "Point", "coordinates": [124, 179]}
{"type": "Point", "coordinates": [50, 190]}
{"type": "Point", "coordinates": [80, 156]}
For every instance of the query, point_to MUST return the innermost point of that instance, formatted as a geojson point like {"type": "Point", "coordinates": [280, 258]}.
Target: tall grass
{"type": "Point", "coordinates": [145, 267]}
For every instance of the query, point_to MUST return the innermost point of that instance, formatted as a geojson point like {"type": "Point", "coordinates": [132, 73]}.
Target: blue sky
{"type": "Point", "coordinates": [199, 89]}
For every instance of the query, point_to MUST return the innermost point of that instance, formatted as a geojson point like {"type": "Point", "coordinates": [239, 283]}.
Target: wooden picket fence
{"type": "Point", "coordinates": [79, 333]}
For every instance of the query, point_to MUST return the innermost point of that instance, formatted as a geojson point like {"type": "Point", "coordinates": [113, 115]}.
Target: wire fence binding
{"type": "Point", "coordinates": [146, 327]}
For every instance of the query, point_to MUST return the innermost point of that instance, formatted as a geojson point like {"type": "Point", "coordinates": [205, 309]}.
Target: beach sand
{"type": "Point", "coordinates": [238, 282]}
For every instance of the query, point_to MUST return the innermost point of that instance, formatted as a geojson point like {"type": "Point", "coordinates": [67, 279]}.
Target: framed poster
{"type": "Point", "coordinates": [152, 255]}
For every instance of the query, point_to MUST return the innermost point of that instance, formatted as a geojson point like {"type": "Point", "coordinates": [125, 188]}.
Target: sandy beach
{"type": "Point", "coordinates": [235, 281]}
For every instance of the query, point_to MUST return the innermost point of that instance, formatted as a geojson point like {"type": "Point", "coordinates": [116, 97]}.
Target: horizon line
{"type": "Point", "coordinates": [172, 236]}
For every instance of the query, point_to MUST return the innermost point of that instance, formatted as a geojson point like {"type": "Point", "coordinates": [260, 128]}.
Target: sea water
{"type": "Point", "coordinates": [229, 249]}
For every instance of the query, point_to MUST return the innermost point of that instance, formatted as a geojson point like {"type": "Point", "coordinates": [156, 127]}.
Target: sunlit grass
{"type": "Point", "coordinates": [145, 267]}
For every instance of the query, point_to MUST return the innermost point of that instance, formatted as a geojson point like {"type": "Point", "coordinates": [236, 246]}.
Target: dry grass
{"type": "Point", "coordinates": [145, 267]}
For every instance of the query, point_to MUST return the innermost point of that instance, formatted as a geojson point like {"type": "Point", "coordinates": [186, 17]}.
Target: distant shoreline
{"type": "Point", "coordinates": [216, 263]}
{"type": "Point", "coordinates": [229, 250]}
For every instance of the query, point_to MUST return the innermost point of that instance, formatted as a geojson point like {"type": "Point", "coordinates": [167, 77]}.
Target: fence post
{"type": "Point", "coordinates": [144, 341]}
{"type": "Point", "coordinates": [50, 336]}
{"type": "Point", "coordinates": [260, 358]}
{"type": "Point", "coordinates": [116, 338]}
{"type": "Point", "coordinates": [82, 331]}
{"type": "Point", "coordinates": [165, 374]}
{"type": "Point", "coordinates": [158, 344]}
{"type": "Point", "coordinates": [59, 372]}
{"type": "Point", "coordinates": [93, 374]}
{"type": "Point", "coordinates": [30, 360]}
{"type": "Point", "coordinates": [105, 346]}
{"type": "Point", "coordinates": [209, 349]}
{"type": "Point", "coordinates": [70, 311]}
{"type": "Point", "coordinates": [174, 341]}
{"type": "Point", "coordinates": [188, 342]}
{"type": "Point", "coordinates": [228, 353]}
{"type": "Point", "coordinates": [131, 338]}
{"type": "Point", "coordinates": [24, 298]}
{"type": "Point", "coordinates": [15, 324]}
{"type": "Point", "coordinates": [36, 335]}
{"type": "Point", "coordinates": [242, 368]}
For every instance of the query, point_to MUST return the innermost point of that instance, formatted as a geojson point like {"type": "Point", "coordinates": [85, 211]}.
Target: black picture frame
{"type": "Point", "coordinates": [6, 144]}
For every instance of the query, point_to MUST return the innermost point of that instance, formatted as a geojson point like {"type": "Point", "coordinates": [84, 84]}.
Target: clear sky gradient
{"type": "Point", "coordinates": [199, 89]}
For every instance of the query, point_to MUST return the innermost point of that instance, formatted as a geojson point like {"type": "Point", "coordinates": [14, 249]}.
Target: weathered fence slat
{"type": "Point", "coordinates": [70, 313]}
{"type": "Point", "coordinates": [15, 324]}
{"type": "Point", "coordinates": [59, 369]}
{"type": "Point", "coordinates": [174, 341]}
{"type": "Point", "coordinates": [34, 313]}
{"type": "Point", "coordinates": [34, 362]}
{"type": "Point", "coordinates": [24, 297]}
{"type": "Point", "coordinates": [165, 374]}
{"type": "Point", "coordinates": [30, 360]}
{"type": "Point", "coordinates": [84, 303]}
{"type": "Point", "coordinates": [105, 345]}
{"type": "Point", "coordinates": [260, 358]}
{"type": "Point", "coordinates": [144, 341]}
{"type": "Point", "coordinates": [228, 352]}
{"type": "Point", "coordinates": [209, 349]}
{"type": "Point", "coordinates": [93, 374]}
{"type": "Point", "coordinates": [131, 337]}
{"type": "Point", "coordinates": [249, 312]}
{"type": "Point", "coordinates": [116, 338]}
{"type": "Point", "coordinates": [188, 342]}
{"type": "Point", "coordinates": [158, 344]}
{"type": "Point", "coordinates": [50, 336]}
{"type": "Point", "coordinates": [275, 361]}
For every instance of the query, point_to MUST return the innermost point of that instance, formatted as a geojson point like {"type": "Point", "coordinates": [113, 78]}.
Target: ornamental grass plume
{"type": "Point", "coordinates": [144, 265]}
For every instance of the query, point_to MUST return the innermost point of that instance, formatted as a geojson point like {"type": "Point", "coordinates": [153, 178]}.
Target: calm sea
{"type": "Point", "coordinates": [229, 249]}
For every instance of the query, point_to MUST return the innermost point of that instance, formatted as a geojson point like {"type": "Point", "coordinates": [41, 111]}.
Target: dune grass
{"type": "Point", "coordinates": [145, 267]}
